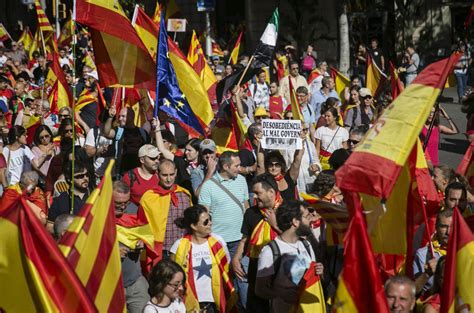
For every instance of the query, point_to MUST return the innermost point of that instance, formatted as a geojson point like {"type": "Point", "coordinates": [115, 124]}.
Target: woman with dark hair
{"type": "Point", "coordinates": [43, 148]}
{"type": "Point", "coordinates": [436, 131]}
{"type": "Point", "coordinates": [191, 154]}
{"type": "Point", "coordinates": [275, 164]}
{"type": "Point", "coordinates": [330, 137]}
{"type": "Point", "coordinates": [331, 102]}
{"type": "Point", "coordinates": [18, 156]}
{"type": "Point", "coordinates": [205, 253]}
{"type": "Point", "coordinates": [354, 99]}
{"type": "Point", "coordinates": [167, 281]}
{"type": "Point", "coordinates": [66, 131]}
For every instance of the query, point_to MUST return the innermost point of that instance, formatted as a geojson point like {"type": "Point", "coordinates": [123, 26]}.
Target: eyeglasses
{"type": "Point", "coordinates": [206, 221]}
{"type": "Point", "coordinates": [177, 285]}
{"type": "Point", "coordinates": [69, 130]}
{"type": "Point", "coordinates": [301, 96]}
{"type": "Point", "coordinates": [305, 129]}
{"type": "Point", "coordinates": [289, 118]}
{"type": "Point", "coordinates": [353, 142]}
{"type": "Point", "coordinates": [121, 204]}
{"type": "Point", "coordinates": [64, 115]}
{"type": "Point", "coordinates": [44, 137]}
{"type": "Point", "coordinates": [80, 176]}
{"type": "Point", "coordinates": [274, 164]}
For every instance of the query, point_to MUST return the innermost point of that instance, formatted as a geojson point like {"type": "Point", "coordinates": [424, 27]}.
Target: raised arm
{"type": "Point", "coordinates": [452, 129]}
{"type": "Point", "coordinates": [108, 131]}
{"type": "Point", "coordinates": [159, 140]}
{"type": "Point", "coordinates": [295, 166]}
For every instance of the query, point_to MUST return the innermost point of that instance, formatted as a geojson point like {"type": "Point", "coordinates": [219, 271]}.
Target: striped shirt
{"type": "Point", "coordinates": [227, 216]}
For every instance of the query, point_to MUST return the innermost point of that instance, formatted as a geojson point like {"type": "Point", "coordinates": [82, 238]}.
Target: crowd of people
{"type": "Point", "coordinates": [232, 226]}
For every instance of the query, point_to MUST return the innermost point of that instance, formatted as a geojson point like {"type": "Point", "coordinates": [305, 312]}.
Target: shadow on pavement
{"type": "Point", "coordinates": [457, 146]}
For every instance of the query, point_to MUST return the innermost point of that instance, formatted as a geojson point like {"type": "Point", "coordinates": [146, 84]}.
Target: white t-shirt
{"type": "Point", "coordinates": [325, 135]}
{"type": "Point", "coordinates": [177, 306]}
{"type": "Point", "coordinates": [202, 266]}
{"type": "Point", "coordinates": [100, 163]}
{"type": "Point", "coordinates": [18, 161]}
{"type": "Point", "coordinates": [295, 260]}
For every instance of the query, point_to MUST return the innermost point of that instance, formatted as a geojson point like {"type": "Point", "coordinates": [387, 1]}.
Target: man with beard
{"type": "Point", "coordinates": [424, 264]}
{"type": "Point", "coordinates": [258, 228]}
{"type": "Point", "coordinates": [284, 262]}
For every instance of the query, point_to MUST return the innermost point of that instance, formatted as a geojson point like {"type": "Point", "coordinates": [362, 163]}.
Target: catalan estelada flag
{"type": "Point", "coordinates": [34, 275]}
{"type": "Point", "coordinates": [375, 78]}
{"type": "Point", "coordinates": [90, 245]}
{"type": "Point", "coordinates": [457, 294]}
{"type": "Point", "coordinates": [4, 35]}
{"type": "Point", "coordinates": [395, 82]}
{"type": "Point", "coordinates": [43, 22]}
{"type": "Point", "coordinates": [355, 294]}
{"type": "Point", "coordinates": [341, 82]}
{"type": "Point", "coordinates": [122, 59]}
{"type": "Point", "coordinates": [295, 104]}
{"type": "Point", "coordinates": [388, 169]}
{"type": "Point", "coordinates": [234, 55]}
{"type": "Point", "coordinates": [223, 290]}
{"type": "Point", "coordinates": [466, 167]}
{"type": "Point", "coordinates": [56, 87]}
{"type": "Point", "coordinates": [172, 10]}
{"type": "Point", "coordinates": [197, 59]}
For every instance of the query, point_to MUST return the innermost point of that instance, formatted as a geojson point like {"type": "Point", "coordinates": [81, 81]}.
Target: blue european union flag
{"type": "Point", "coordinates": [169, 97]}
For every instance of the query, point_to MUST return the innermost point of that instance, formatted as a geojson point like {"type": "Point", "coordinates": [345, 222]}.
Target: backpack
{"type": "Point", "coordinates": [308, 63]}
{"type": "Point", "coordinates": [277, 254]}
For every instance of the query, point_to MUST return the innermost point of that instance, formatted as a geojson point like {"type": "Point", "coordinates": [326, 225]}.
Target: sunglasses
{"type": "Point", "coordinates": [64, 115]}
{"type": "Point", "coordinates": [305, 129]}
{"type": "Point", "coordinates": [353, 142]}
{"type": "Point", "coordinates": [274, 164]}
{"type": "Point", "coordinates": [44, 137]}
{"type": "Point", "coordinates": [80, 176]}
{"type": "Point", "coordinates": [153, 159]}
{"type": "Point", "coordinates": [289, 118]}
{"type": "Point", "coordinates": [68, 130]}
{"type": "Point", "coordinates": [368, 97]}
{"type": "Point", "coordinates": [206, 221]}
{"type": "Point", "coordinates": [121, 204]}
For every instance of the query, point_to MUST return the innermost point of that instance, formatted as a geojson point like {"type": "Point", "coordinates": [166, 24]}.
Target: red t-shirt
{"type": "Point", "coordinates": [140, 185]}
{"type": "Point", "coordinates": [3, 163]}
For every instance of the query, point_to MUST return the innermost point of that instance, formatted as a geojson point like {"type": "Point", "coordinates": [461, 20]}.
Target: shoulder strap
{"type": "Point", "coordinates": [306, 245]}
{"type": "Point", "coordinates": [118, 136]}
{"type": "Point", "coordinates": [218, 183]}
{"type": "Point", "coordinates": [132, 177]}
{"type": "Point", "coordinates": [276, 256]}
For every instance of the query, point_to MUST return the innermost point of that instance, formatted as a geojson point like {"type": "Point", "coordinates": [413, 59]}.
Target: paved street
{"type": "Point", "coordinates": [452, 148]}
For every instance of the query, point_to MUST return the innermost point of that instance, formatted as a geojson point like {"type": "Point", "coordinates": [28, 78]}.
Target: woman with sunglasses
{"type": "Point", "coordinates": [205, 260]}
{"type": "Point", "coordinates": [362, 114]}
{"type": "Point", "coordinates": [166, 280]}
{"type": "Point", "coordinates": [66, 131]}
{"type": "Point", "coordinates": [43, 149]}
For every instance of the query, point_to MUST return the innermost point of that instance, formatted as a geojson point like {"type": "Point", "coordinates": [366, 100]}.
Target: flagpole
{"type": "Point", "coordinates": [74, 41]}
{"type": "Point", "coordinates": [430, 129]}
{"type": "Point", "coordinates": [246, 69]}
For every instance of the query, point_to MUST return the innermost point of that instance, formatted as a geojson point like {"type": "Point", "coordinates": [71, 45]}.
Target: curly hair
{"type": "Point", "coordinates": [324, 183]}
{"type": "Point", "coordinates": [160, 276]}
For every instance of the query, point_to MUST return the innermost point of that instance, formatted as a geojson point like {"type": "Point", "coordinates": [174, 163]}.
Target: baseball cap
{"type": "Point", "coordinates": [364, 92]}
{"type": "Point", "coordinates": [207, 144]}
{"type": "Point", "coordinates": [93, 74]}
{"type": "Point", "coordinates": [260, 111]}
{"type": "Point", "coordinates": [149, 151]}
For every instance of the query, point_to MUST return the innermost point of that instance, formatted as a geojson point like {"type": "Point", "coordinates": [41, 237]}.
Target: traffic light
{"type": "Point", "coordinates": [62, 11]}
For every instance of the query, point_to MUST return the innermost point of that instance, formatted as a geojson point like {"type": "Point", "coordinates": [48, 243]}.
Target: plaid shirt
{"type": "Point", "coordinates": [173, 232]}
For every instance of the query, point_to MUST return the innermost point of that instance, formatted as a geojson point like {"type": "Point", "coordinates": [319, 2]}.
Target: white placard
{"type": "Point", "coordinates": [177, 25]}
{"type": "Point", "coordinates": [281, 134]}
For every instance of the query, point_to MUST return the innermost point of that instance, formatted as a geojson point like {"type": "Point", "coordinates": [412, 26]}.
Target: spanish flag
{"type": "Point", "coordinates": [395, 82]}
{"type": "Point", "coordinates": [4, 35]}
{"type": "Point", "coordinates": [295, 104]}
{"type": "Point", "coordinates": [389, 169]}
{"type": "Point", "coordinates": [33, 123]}
{"type": "Point", "coordinates": [43, 22]}
{"type": "Point", "coordinates": [197, 59]}
{"type": "Point", "coordinates": [225, 296]}
{"type": "Point", "coordinates": [235, 52]}
{"type": "Point", "coordinates": [56, 87]}
{"type": "Point", "coordinates": [34, 275]}
{"type": "Point", "coordinates": [67, 32]}
{"type": "Point", "coordinates": [36, 43]}
{"type": "Point", "coordinates": [360, 286]}
{"type": "Point", "coordinates": [457, 294]}
{"type": "Point", "coordinates": [466, 167]}
{"type": "Point", "coordinates": [90, 245]}
{"type": "Point", "coordinates": [375, 78]}
{"type": "Point", "coordinates": [89, 61]}
{"type": "Point", "coordinates": [122, 59]}
{"type": "Point", "coordinates": [341, 82]}
{"type": "Point", "coordinates": [26, 38]}
{"type": "Point", "coordinates": [189, 82]}
{"type": "Point", "coordinates": [313, 75]}
{"type": "Point", "coordinates": [229, 135]}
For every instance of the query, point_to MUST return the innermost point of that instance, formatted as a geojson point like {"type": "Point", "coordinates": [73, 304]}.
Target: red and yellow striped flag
{"type": "Point", "coordinates": [235, 52]}
{"type": "Point", "coordinates": [56, 87]}
{"type": "Point", "coordinates": [353, 293]}
{"type": "Point", "coordinates": [295, 104]}
{"type": "Point", "coordinates": [122, 59]}
{"type": "Point", "coordinates": [67, 32]}
{"type": "Point", "coordinates": [197, 60]}
{"type": "Point", "coordinates": [43, 22]}
{"type": "Point", "coordinates": [4, 35]}
{"type": "Point", "coordinates": [34, 275]}
{"type": "Point", "coordinates": [457, 294]}
{"type": "Point", "coordinates": [466, 167]}
{"type": "Point", "coordinates": [90, 245]}
{"type": "Point", "coordinates": [468, 20]}
{"type": "Point", "coordinates": [395, 82]}
{"type": "Point", "coordinates": [172, 10]}
{"type": "Point", "coordinates": [26, 38]}
{"type": "Point", "coordinates": [216, 49]}
{"type": "Point", "coordinates": [375, 78]}
{"type": "Point", "coordinates": [389, 169]}
{"type": "Point", "coordinates": [340, 81]}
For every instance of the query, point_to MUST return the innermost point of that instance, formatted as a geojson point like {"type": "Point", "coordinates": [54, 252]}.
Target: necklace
{"type": "Point", "coordinates": [292, 245]}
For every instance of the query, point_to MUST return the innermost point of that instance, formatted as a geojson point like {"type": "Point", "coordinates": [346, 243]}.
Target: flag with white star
{"type": "Point", "coordinates": [170, 98]}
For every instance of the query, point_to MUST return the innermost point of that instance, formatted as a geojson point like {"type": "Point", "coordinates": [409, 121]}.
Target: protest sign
{"type": "Point", "coordinates": [281, 134]}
